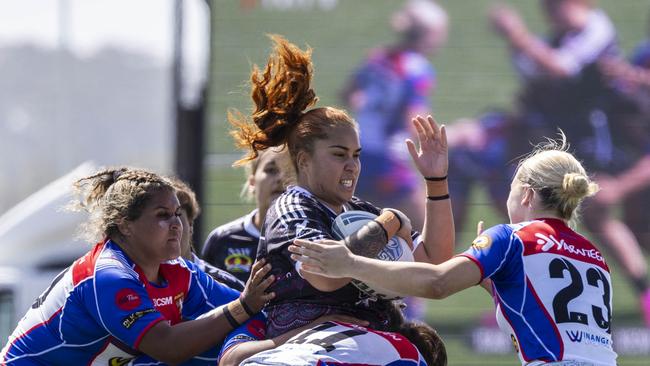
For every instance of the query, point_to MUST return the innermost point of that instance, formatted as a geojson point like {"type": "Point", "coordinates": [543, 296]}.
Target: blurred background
{"type": "Point", "coordinates": [149, 82]}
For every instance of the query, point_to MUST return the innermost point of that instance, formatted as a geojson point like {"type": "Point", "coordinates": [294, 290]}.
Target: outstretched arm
{"type": "Point", "coordinates": [174, 344]}
{"type": "Point", "coordinates": [431, 160]}
{"type": "Point", "coordinates": [331, 258]}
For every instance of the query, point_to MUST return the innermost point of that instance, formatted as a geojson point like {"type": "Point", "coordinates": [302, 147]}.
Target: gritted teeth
{"type": "Point", "coordinates": [346, 183]}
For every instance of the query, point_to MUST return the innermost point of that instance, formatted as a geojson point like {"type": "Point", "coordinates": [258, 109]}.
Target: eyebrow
{"type": "Point", "coordinates": [343, 147]}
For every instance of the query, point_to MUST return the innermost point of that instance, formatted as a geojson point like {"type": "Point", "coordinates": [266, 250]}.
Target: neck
{"type": "Point", "coordinates": [546, 214]}
{"type": "Point", "coordinates": [260, 215]}
{"type": "Point", "coordinates": [149, 268]}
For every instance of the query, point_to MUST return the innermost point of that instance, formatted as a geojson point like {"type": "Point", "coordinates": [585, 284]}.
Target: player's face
{"type": "Point", "coordinates": [156, 234]}
{"type": "Point", "coordinates": [514, 204]}
{"type": "Point", "coordinates": [332, 171]}
{"type": "Point", "coordinates": [268, 179]}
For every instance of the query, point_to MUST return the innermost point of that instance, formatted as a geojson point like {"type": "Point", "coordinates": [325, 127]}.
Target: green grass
{"type": "Point", "coordinates": [474, 74]}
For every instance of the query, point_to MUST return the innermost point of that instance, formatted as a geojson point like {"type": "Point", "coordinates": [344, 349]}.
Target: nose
{"type": "Point", "coordinates": [177, 223]}
{"type": "Point", "coordinates": [353, 165]}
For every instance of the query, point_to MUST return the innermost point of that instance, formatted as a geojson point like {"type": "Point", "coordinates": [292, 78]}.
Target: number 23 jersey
{"type": "Point", "coordinates": [552, 288]}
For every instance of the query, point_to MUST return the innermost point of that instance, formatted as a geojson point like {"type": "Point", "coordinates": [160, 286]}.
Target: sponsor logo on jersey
{"type": "Point", "coordinates": [580, 336]}
{"type": "Point", "coordinates": [132, 318]}
{"type": "Point", "coordinates": [238, 260]}
{"type": "Point", "coordinates": [118, 361]}
{"type": "Point", "coordinates": [514, 343]}
{"type": "Point", "coordinates": [481, 242]}
{"type": "Point", "coordinates": [127, 299]}
{"type": "Point", "coordinates": [549, 242]}
{"type": "Point", "coordinates": [162, 301]}
{"type": "Point", "coordinates": [178, 300]}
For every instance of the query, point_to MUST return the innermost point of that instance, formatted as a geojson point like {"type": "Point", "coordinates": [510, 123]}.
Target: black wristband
{"type": "Point", "coordinates": [435, 179]}
{"type": "Point", "coordinates": [438, 198]}
{"type": "Point", "coordinates": [247, 309]}
{"type": "Point", "coordinates": [231, 319]}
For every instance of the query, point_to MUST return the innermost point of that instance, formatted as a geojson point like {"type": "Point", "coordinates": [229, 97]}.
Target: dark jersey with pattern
{"type": "Point", "coordinates": [298, 214]}
{"type": "Point", "coordinates": [232, 246]}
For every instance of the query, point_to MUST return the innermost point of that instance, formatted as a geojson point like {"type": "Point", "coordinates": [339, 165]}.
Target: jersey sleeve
{"type": "Point", "coordinates": [492, 250]}
{"type": "Point", "coordinates": [253, 330]}
{"type": "Point", "coordinates": [421, 78]}
{"type": "Point", "coordinates": [205, 293]}
{"type": "Point", "coordinates": [123, 306]}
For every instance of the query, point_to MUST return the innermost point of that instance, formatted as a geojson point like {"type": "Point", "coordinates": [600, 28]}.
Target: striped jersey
{"type": "Point", "coordinates": [97, 310]}
{"type": "Point", "coordinates": [552, 288]}
{"type": "Point", "coordinates": [297, 213]}
{"type": "Point", "coordinates": [335, 343]}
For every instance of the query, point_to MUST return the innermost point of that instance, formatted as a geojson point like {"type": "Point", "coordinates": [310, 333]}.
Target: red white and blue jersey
{"type": "Point", "coordinates": [334, 343]}
{"type": "Point", "coordinates": [97, 310]}
{"type": "Point", "coordinates": [552, 288]}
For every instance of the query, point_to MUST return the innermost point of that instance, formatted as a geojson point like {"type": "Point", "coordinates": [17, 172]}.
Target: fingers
{"type": "Point", "coordinates": [443, 135]}
{"type": "Point", "coordinates": [304, 259]}
{"type": "Point", "coordinates": [479, 227]}
{"type": "Point", "coordinates": [260, 273]}
{"type": "Point", "coordinates": [309, 245]}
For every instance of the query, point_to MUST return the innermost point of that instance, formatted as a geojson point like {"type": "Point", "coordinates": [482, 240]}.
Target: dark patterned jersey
{"type": "Point", "coordinates": [232, 246]}
{"type": "Point", "coordinates": [298, 214]}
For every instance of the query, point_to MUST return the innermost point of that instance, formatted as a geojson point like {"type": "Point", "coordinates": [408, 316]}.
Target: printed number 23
{"type": "Point", "coordinates": [561, 301]}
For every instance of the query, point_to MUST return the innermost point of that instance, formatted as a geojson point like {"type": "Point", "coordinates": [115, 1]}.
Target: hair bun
{"type": "Point", "coordinates": [576, 185]}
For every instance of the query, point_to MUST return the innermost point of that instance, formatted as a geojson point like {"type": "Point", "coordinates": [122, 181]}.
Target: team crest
{"type": "Point", "coordinates": [482, 242]}
{"type": "Point", "coordinates": [238, 261]}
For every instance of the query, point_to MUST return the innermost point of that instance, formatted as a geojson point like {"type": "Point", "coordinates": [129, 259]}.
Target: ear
{"type": "Point", "coordinates": [302, 160]}
{"type": "Point", "coordinates": [125, 227]}
{"type": "Point", "coordinates": [251, 183]}
{"type": "Point", "coordinates": [528, 197]}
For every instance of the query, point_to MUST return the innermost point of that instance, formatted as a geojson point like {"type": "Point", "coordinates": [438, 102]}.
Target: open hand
{"type": "Point", "coordinates": [327, 258]}
{"type": "Point", "coordinates": [254, 294]}
{"type": "Point", "coordinates": [431, 159]}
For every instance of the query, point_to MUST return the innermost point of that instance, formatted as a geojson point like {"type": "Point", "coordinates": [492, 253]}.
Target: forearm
{"type": "Point", "coordinates": [530, 46]}
{"type": "Point", "coordinates": [636, 178]}
{"type": "Point", "coordinates": [424, 279]}
{"type": "Point", "coordinates": [180, 342]}
{"type": "Point", "coordinates": [438, 232]}
{"type": "Point", "coordinates": [373, 236]}
{"type": "Point", "coordinates": [238, 353]}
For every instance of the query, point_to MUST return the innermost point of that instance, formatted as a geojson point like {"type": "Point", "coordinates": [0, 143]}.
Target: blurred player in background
{"type": "Point", "coordinates": [625, 181]}
{"type": "Point", "coordinates": [233, 246]}
{"type": "Point", "coordinates": [392, 86]}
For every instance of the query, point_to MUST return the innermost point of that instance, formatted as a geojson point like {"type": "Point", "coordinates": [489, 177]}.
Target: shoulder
{"type": "Point", "coordinates": [415, 64]}
{"type": "Point", "coordinates": [357, 203]}
{"type": "Point", "coordinates": [295, 203]}
{"type": "Point", "coordinates": [112, 264]}
{"type": "Point", "coordinates": [233, 227]}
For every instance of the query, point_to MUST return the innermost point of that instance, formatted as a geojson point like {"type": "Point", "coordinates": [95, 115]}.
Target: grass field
{"type": "Point", "coordinates": [474, 74]}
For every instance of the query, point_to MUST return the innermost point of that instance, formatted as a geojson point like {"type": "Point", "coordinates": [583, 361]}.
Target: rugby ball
{"type": "Point", "coordinates": [397, 249]}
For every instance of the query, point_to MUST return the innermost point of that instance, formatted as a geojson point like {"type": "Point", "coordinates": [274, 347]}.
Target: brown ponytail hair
{"type": "Point", "coordinates": [281, 94]}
